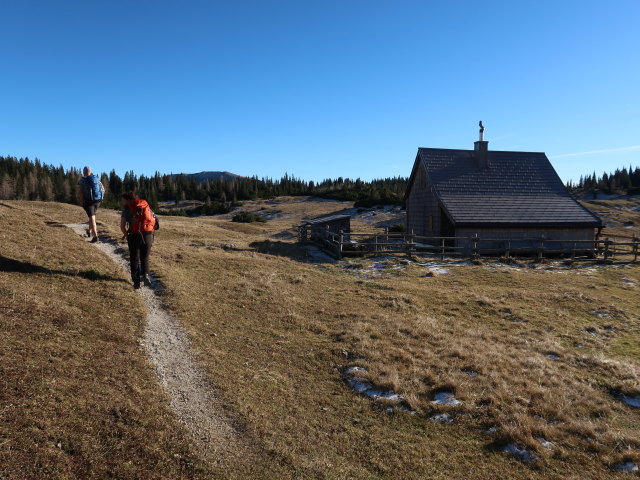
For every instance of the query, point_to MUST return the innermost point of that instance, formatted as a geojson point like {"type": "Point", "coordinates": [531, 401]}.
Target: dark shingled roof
{"type": "Point", "coordinates": [327, 219]}
{"type": "Point", "coordinates": [518, 188]}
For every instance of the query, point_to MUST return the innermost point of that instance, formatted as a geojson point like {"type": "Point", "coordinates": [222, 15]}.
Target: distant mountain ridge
{"type": "Point", "coordinates": [211, 176]}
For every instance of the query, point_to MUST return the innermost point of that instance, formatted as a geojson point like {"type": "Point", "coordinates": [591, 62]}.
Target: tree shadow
{"type": "Point", "coordinates": [18, 266]}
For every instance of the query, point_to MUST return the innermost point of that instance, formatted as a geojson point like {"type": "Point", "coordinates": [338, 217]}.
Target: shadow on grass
{"type": "Point", "coordinates": [291, 250]}
{"type": "Point", "coordinates": [18, 266]}
{"type": "Point", "coordinates": [279, 248]}
{"type": "Point", "coordinates": [55, 224]}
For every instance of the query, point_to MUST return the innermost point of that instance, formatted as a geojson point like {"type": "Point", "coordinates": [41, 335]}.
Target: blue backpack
{"type": "Point", "coordinates": [93, 189]}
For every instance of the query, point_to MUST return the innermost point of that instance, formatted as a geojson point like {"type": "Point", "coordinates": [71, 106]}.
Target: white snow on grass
{"type": "Point", "coordinates": [491, 430]}
{"type": "Point", "coordinates": [626, 467]}
{"type": "Point", "coordinates": [445, 398]}
{"type": "Point", "coordinates": [545, 443]}
{"type": "Point", "coordinates": [431, 271]}
{"type": "Point", "coordinates": [366, 388]}
{"type": "Point", "coordinates": [631, 401]}
{"type": "Point", "coordinates": [520, 452]}
{"type": "Point", "coordinates": [441, 418]}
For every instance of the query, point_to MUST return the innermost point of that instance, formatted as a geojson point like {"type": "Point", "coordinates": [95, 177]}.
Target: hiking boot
{"type": "Point", "coordinates": [136, 285]}
{"type": "Point", "coordinates": [94, 240]}
{"type": "Point", "coordinates": [88, 232]}
{"type": "Point", "coordinates": [146, 280]}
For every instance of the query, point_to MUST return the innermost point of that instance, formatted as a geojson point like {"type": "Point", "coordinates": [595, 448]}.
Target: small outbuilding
{"type": "Point", "coordinates": [500, 196]}
{"type": "Point", "coordinates": [316, 229]}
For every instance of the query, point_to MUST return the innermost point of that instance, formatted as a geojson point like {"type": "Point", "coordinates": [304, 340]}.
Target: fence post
{"type": "Point", "coordinates": [474, 249]}
{"type": "Point", "coordinates": [606, 248]}
{"type": "Point", "coordinates": [412, 247]}
{"type": "Point", "coordinates": [340, 244]}
{"type": "Point", "coordinates": [635, 248]}
{"type": "Point", "coordinates": [573, 252]}
{"type": "Point", "coordinates": [541, 249]}
{"type": "Point", "coordinates": [508, 254]}
{"type": "Point", "coordinates": [386, 239]}
{"type": "Point", "coordinates": [442, 249]}
{"type": "Point", "coordinates": [375, 249]}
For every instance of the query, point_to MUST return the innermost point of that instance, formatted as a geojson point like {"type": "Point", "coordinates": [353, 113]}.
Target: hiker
{"type": "Point", "coordinates": [138, 224]}
{"type": "Point", "coordinates": [90, 192]}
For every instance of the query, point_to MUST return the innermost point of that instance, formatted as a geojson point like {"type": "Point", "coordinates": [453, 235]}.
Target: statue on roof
{"type": "Point", "coordinates": [481, 131]}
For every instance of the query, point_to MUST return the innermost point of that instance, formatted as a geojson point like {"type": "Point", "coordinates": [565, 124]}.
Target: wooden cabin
{"type": "Point", "coordinates": [504, 197]}
{"type": "Point", "coordinates": [316, 229]}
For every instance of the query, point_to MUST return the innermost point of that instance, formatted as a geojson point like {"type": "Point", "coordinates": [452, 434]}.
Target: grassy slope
{"type": "Point", "coordinates": [77, 397]}
{"type": "Point", "coordinates": [274, 332]}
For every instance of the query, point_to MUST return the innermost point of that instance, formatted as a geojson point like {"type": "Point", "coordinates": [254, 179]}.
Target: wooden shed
{"type": "Point", "coordinates": [501, 196]}
{"type": "Point", "coordinates": [317, 228]}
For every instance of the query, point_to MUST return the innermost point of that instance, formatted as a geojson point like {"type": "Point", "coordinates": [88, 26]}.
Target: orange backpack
{"type": "Point", "coordinates": [142, 218]}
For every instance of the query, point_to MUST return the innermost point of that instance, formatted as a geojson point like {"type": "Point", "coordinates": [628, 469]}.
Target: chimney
{"type": "Point", "coordinates": [481, 149]}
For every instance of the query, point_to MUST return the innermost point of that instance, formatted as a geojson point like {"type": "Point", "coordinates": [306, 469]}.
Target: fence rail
{"type": "Point", "coordinates": [343, 244]}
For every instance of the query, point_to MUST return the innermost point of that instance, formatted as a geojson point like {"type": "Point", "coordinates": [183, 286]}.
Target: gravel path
{"type": "Point", "coordinates": [192, 396]}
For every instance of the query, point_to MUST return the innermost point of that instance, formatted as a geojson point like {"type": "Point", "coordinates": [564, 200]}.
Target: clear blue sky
{"type": "Point", "coordinates": [317, 89]}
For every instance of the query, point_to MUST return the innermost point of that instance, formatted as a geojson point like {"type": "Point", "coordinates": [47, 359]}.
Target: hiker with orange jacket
{"type": "Point", "coordinates": [138, 224]}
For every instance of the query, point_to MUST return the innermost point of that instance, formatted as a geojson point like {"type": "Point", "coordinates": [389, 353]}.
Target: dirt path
{"type": "Point", "coordinates": [192, 396]}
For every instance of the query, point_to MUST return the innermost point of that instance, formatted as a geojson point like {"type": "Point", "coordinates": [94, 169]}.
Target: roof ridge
{"type": "Point", "coordinates": [471, 150]}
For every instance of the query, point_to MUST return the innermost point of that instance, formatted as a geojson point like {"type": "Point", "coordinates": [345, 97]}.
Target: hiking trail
{"type": "Point", "coordinates": [192, 397]}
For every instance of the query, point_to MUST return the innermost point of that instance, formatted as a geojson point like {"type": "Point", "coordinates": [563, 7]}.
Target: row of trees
{"type": "Point", "coordinates": [23, 179]}
{"type": "Point", "coordinates": [623, 181]}
{"type": "Point", "coordinates": [26, 180]}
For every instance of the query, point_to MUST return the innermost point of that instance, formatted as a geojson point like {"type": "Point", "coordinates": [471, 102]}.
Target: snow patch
{"type": "Point", "coordinates": [366, 388]}
{"type": "Point", "coordinates": [631, 401]}
{"type": "Point", "coordinates": [545, 443]}
{"type": "Point", "coordinates": [441, 418]}
{"type": "Point", "coordinates": [445, 398]}
{"type": "Point", "coordinates": [626, 467]}
{"type": "Point", "coordinates": [520, 452]}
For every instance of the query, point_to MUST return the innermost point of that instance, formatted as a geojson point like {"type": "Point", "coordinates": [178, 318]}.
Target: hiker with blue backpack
{"type": "Point", "coordinates": [90, 192]}
{"type": "Point", "coordinates": [138, 224]}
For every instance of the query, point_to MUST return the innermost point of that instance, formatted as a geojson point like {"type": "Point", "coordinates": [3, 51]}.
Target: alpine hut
{"type": "Point", "coordinates": [500, 196]}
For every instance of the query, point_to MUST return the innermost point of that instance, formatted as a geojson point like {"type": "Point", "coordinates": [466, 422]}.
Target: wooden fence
{"type": "Point", "coordinates": [345, 244]}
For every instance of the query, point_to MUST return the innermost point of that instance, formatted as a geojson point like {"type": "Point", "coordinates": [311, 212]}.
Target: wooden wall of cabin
{"type": "Point", "coordinates": [318, 230]}
{"type": "Point", "coordinates": [525, 237]}
{"type": "Point", "coordinates": [423, 213]}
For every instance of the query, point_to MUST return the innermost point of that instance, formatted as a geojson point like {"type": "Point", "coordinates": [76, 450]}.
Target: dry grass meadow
{"type": "Point", "coordinates": [532, 351]}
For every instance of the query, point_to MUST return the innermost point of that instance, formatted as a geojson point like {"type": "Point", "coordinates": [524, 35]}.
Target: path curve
{"type": "Point", "coordinates": [191, 394]}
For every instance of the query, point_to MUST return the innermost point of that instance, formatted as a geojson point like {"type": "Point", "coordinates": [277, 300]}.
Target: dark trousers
{"type": "Point", "coordinates": [139, 250]}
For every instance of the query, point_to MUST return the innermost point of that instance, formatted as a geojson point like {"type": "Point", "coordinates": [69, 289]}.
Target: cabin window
{"type": "Point", "coordinates": [431, 223]}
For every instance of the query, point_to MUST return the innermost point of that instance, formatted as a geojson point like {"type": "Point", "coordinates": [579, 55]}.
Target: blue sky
{"type": "Point", "coordinates": [317, 89]}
